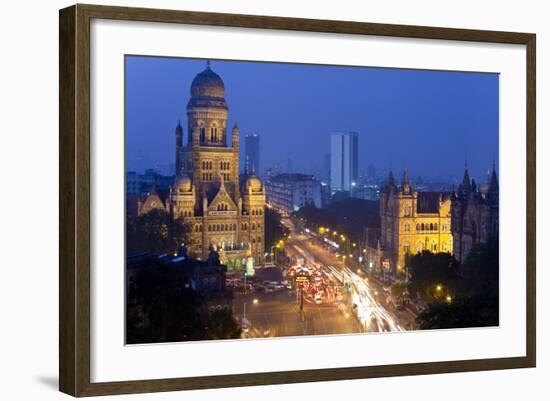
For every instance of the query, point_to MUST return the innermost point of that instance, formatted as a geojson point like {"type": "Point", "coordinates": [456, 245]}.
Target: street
{"type": "Point", "coordinates": [362, 308]}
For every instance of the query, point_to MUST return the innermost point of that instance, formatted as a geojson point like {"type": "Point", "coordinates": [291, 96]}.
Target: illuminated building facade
{"type": "Point", "coordinates": [221, 212]}
{"type": "Point", "coordinates": [412, 221]}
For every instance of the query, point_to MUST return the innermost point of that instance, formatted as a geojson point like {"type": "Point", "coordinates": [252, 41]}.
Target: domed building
{"type": "Point", "coordinates": [223, 213]}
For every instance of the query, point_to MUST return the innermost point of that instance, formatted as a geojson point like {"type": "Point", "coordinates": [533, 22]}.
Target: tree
{"type": "Point", "coordinates": [399, 291]}
{"type": "Point", "coordinates": [477, 311]}
{"type": "Point", "coordinates": [173, 310]}
{"type": "Point", "coordinates": [481, 268]}
{"type": "Point", "coordinates": [156, 232]}
{"type": "Point", "coordinates": [220, 325]}
{"type": "Point", "coordinates": [477, 304]}
{"type": "Point", "coordinates": [434, 275]}
{"type": "Point", "coordinates": [274, 229]}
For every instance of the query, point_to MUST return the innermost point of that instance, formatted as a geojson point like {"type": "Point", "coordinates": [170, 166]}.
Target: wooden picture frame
{"type": "Point", "coordinates": [74, 204]}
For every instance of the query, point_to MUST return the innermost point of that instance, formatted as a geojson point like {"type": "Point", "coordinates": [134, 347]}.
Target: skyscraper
{"type": "Point", "coordinates": [343, 160]}
{"type": "Point", "coordinates": [252, 154]}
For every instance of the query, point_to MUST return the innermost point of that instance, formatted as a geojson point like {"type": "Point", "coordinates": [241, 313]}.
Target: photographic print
{"type": "Point", "coordinates": [279, 199]}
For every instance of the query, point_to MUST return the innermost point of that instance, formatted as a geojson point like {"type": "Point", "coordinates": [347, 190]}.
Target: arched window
{"type": "Point", "coordinates": [435, 226]}
{"type": "Point", "coordinates": [444, 226]}
{"type": "Point", "coordinates": [434, 247]}
{"type": "Point", "coordinates": [203, 134]}
{"type": "Point", "coordinates": [253, 226]}
{"type": "Point", "coordinates": [417, 227]}
{"type": "Point", "coordinates": [422, 227]}
{"type": "Point", "coordinates": [407, 227]}
{"type": "Point", "coordinates": [406, 248]}
{"type": "Point", "coordinates": [444, 247]}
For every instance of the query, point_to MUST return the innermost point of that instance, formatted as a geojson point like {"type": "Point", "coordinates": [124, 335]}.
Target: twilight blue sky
{"type": "Point", "coordinates": [426, 121]}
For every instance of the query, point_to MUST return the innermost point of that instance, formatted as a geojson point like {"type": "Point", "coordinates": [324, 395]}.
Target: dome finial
{"type": "Point", "coordinates": [207, 64]}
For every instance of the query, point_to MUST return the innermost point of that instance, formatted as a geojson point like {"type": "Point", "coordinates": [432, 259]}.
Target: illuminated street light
{"type": "Point", "coordinates": [439, 287]}
{"type": "Point", "coordinates": [449, 298]}
{"type": "Point", "coordinates": [255, 301]}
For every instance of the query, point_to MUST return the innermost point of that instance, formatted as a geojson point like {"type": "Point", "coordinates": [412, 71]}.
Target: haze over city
{"type": "Point", "coordinates": [404, 118]}
{"type": "Point", "coordinates": [295, 233]}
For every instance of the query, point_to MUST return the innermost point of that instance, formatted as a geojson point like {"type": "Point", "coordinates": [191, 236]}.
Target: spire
{"type": "Point", "coordinates": [492, 192]}
{"type": "Point", "coordinates": [179, 124]}
{"type": "Point", "coordinates": [207, 64]}
{"type": "Point", "coordinates": [391, 179]}
{"type": "Point", "coordinates": [466, 186]}
{"type": "Point", "coordinates": [405, 183]}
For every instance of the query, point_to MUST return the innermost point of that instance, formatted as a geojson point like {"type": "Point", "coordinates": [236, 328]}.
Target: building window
{"type": "Point", "coordinates": [444, 247]}
{"type": "Point", "coordinates": [422, 227]}
{"type": "Point", "coordinates": [203, 134]}
{"type": "Point", "coordinates": [434, 247]}
{"type": "Point", "coordinates": [418, 227]}
{"type": "Point", "coordinates": [435, 227]}
{"type": "Point", "coordinates": [444, 226]}
{"type": "Point", "coordinates": [407, 227]}
{"type": "Point", "coordinates": [406, 248]}
{"type": "Point", "coordinates": [407, 211]}
{"type": "Point", "coordinates": [213, 134]}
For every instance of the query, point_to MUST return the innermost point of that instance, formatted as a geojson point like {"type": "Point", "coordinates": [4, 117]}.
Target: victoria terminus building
{"type": "Point", "coordinates": [223, 211]}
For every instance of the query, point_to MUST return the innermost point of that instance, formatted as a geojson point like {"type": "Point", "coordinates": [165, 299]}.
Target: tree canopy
{"type": "Point", "coordinates": [475, 302]}
{"type": "Point", "coordinates": [156, 232]}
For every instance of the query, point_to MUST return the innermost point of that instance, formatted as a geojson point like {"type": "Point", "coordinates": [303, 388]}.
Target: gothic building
{"type": "Point", "coordinates": [413, 221]}
{"type": "Point", "coordinates": [474, 214]}
{"type": "Point", "coordinates": [223, 211]}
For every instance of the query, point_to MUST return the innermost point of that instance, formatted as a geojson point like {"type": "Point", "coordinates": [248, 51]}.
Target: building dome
{"type": "Point", "coordinates": [207, 84]}
{"type": "Point", "coordinates": [254, 183]}
{"type": "Point", "coordinates": [183, 184]}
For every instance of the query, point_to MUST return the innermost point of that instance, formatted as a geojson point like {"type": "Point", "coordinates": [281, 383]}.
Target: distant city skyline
{"type": "Point", "coordinates": [404, 118]}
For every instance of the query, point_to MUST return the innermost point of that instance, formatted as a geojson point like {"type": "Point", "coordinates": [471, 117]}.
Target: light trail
{"type": "Point", "coordinates": [372, 315]}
